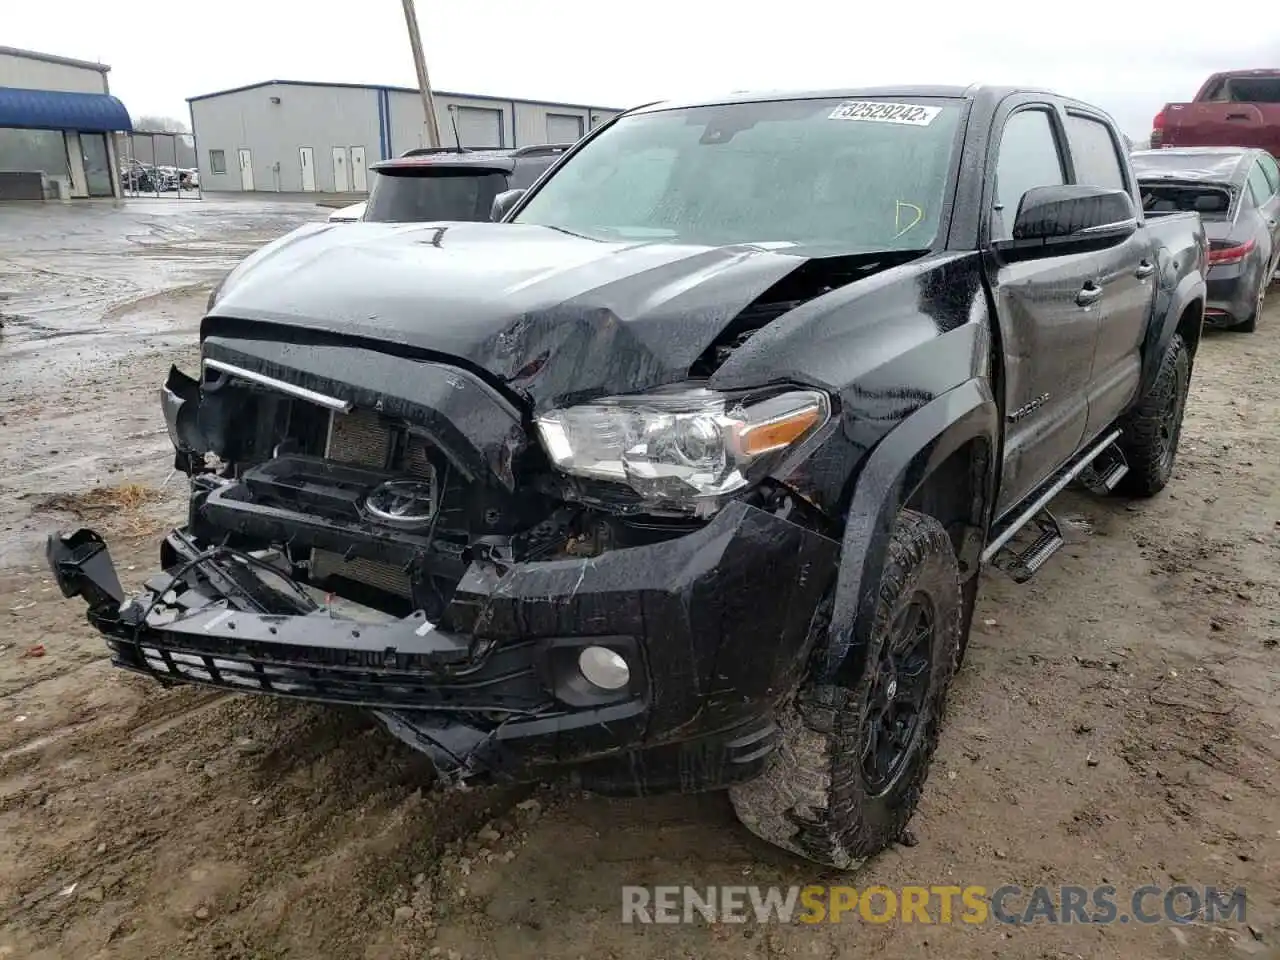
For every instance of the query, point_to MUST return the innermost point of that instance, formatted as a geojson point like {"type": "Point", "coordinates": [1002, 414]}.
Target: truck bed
{"type": "Point", "coordinates": [1239, 109]}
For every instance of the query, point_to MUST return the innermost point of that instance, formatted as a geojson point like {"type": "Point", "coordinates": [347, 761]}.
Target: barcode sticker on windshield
{"type": "Point", "coordinates": [911, 114]}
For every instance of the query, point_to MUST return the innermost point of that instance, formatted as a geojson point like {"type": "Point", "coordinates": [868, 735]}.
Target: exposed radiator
{"type": "Point", "coordinates": [361, 438]}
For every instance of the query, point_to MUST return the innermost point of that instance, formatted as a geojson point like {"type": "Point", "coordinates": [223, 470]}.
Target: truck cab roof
{"type": "Point", "coordinates": [442, 183]}
{"type": "Point", "coordinates": [991, 94]}
{"type": "Point", "coordinates": [427, 158]}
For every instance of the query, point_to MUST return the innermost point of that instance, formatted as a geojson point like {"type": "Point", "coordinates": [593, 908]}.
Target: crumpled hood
{"type": "Point", "coordinates": [553, 315]}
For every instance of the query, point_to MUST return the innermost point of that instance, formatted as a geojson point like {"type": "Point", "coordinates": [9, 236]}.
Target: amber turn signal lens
{"type": "Point", "coordinates": [779, 432]}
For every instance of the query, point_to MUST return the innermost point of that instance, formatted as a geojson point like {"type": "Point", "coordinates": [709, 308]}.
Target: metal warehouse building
{"type": "Point", "coordinates": [291, 136]}
{"type": "Point", "coordinates": [56, 120]}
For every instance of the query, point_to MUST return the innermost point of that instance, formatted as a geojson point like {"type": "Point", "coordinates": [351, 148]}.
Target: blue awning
{"type": "Point", "coordinates": [56, 110]}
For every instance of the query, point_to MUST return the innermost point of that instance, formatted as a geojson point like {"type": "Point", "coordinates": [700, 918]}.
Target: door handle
{"type": "Point", "coordinates": [1088, 294]}
{"type": "Point", "coordinates": [1237, 116]}
{"type": "Point", "coordinates": [1145, 269]}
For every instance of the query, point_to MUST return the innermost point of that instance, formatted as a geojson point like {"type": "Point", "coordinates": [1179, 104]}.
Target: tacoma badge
{"type": "Point", "coordinates": [402, 503]}
{"type": "Point", "coordinates": [1027, 409]}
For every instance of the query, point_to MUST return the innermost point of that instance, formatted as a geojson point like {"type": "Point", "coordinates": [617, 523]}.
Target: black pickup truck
{"type": "Point", "coordinates": [682, 475]}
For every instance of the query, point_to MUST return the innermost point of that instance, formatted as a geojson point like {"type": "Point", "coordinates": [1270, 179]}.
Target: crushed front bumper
{"type": "Point", "coordinates": [714, 625]}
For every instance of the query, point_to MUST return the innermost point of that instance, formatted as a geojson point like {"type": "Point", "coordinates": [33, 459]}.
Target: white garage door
{"type": "Point", "coordinates": [477, 127]}
{"type": "Point", "coordinates": [563, 127]}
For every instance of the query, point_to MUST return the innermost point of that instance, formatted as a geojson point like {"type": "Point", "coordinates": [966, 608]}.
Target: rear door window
{"type": "Point", "coordinates": [1094, 152]}
{"type": "Point", "coordinates": [527, 171]}
{"type": "Point", "coordinates": [1259, 185]}
{"type": "Point", "coordinates": [1270, 170]}
{"type": "Point", "coordinates": [1252, 89]}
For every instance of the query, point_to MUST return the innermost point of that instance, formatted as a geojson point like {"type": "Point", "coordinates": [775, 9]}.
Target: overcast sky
{"type": "Point", "coordinates": [1127, 58]}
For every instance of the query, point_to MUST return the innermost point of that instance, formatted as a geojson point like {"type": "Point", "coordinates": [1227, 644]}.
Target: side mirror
{"type": "Point", "coordinates": [503, 203]}
{"type": "Point", "coordinates": [1070, 218]}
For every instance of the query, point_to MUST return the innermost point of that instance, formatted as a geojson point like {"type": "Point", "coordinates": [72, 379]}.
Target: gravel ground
{"type": "Point", "coordinates": [1117, 720]}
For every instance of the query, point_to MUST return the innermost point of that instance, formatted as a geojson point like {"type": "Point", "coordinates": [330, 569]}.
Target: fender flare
{"type": "Point", "coordinates": [1191, 287]}
{"type": "Point", "coordinates": [894, 470]}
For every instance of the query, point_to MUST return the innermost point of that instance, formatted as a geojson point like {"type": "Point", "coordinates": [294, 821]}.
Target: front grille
{"type": "Point", "coordinates": [382, 576]}
{"type": "Point", "coordinates": [364, 439]}
{"type": "Point", "coordinates": [507, 680]}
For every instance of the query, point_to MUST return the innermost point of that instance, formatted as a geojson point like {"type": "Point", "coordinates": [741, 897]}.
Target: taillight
{"type": "Point", "coordinates": [1232, 254]}
{"type": "Point", "coordinates": [1157, 130]}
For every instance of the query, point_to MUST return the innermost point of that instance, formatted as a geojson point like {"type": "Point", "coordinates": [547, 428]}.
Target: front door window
{"type": "Point", "coordinates": [1028, 158]}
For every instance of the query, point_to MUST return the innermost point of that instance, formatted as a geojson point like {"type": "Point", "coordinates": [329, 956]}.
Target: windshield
{"type": "Point", "coordinates": [857, 174]}
{"type": "Point", "coordinates": [427, 195]}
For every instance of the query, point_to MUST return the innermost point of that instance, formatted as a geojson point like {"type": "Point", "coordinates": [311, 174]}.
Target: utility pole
{"type": "Point", "coordinates": [431, 123]}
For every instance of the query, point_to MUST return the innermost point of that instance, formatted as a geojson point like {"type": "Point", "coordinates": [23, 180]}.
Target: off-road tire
{"type": "Point", "coordinates": [1149, 433]}
{"type": "Point", "coordinates": [812, 798]}
{"type": "Point", "coordinates": [969, 601]}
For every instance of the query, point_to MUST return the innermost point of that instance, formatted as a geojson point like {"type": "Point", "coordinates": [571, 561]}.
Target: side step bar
{"type": "Point", "coordinates": [1022, 565]}
{"type": "Point", "coordinates": [1100, 469]}
{"type": "Point", "coordinates": [1106, 471]}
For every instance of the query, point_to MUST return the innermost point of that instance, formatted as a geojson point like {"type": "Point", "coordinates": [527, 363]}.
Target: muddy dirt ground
{"type": "Point", "coordinates": [1117, 720]}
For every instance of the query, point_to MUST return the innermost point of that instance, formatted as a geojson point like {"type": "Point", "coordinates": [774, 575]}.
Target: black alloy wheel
{"type": "Point", "coordinates": [899, 691]}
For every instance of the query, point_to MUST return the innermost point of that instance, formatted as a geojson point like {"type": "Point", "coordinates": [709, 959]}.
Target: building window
{"type": "Point", "coordinates": [217, 161]}
{"type": "Point", "coordinates": [33, 151]}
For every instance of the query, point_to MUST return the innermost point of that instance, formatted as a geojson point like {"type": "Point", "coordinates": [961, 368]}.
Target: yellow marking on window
{"type": "Point", "coordinates": [898, 205]}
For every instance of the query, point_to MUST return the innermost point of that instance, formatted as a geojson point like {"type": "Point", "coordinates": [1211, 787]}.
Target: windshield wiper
{"type": "Point", "coordinates": [565, 230]}
{"type": "Point", "coordinates": [621, 233]}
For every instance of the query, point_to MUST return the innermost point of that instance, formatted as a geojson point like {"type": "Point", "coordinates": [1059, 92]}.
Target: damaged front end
{"type": "Point", "coordinates": [510, 593]}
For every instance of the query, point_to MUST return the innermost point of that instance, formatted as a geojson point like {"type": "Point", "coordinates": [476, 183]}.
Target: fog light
{"type": "Point", "coordinates": [603, 668]}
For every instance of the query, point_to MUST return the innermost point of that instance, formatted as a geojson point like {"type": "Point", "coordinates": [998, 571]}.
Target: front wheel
{"type": "Point", "coordinates": [1151, 430]}
{"type": "Point", "coordinates": [849, 771]}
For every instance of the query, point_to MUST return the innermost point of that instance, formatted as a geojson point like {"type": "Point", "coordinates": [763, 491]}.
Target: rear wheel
{"type": "Point", "coordinates": [1251, 323]}
{"type": "Point", "coordinates": [849, 771]}
{"type": "Point", "coordinates": [1151, 430]}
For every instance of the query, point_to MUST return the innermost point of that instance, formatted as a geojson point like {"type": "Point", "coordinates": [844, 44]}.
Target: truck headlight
{"type": "Point", "coordinates": [683, 448]}
{"type": "Point", "coordinates": [215, 293]}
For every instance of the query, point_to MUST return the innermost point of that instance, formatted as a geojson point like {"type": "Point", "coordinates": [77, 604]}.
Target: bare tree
{"type": "Point", "coordinates": [155, 124]}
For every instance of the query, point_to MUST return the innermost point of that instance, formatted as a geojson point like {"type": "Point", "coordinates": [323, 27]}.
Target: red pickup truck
{"type": "Point", "coordinates": [1236, 109]}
